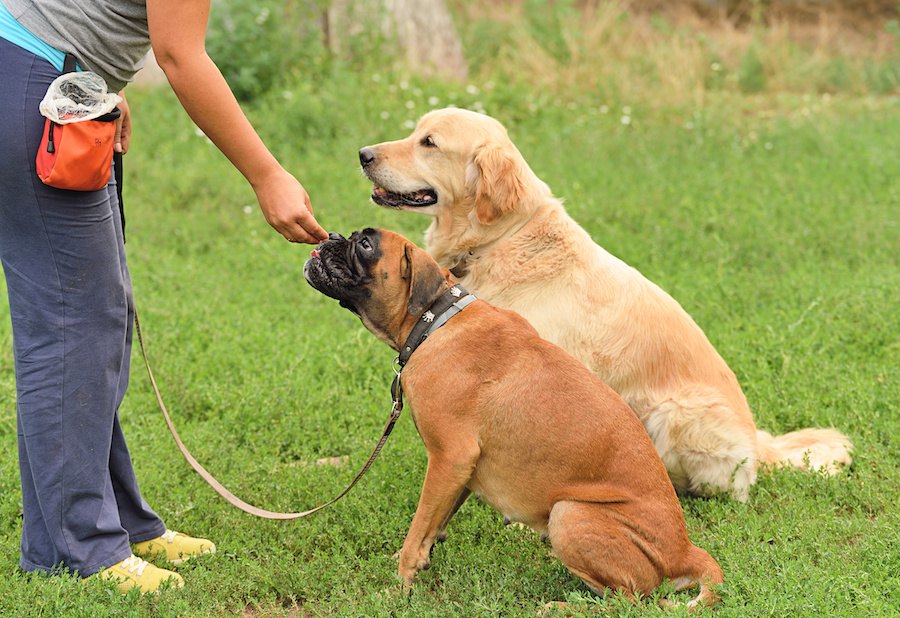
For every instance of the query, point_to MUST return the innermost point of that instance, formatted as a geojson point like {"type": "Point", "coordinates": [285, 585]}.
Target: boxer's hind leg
{"type": "Point", "coordinates": [445, 480]}
{"type": "Point", "coordinates": [600, 550]}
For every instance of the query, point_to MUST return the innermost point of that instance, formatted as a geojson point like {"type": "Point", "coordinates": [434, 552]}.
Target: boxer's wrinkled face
{"type": "Point", "coordinates": [380, 276]}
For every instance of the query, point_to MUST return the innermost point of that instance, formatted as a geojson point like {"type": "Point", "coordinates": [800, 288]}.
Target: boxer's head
{"type": "Point", "coordinates": [380, 276]}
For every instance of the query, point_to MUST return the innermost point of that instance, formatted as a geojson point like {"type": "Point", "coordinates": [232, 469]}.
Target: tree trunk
{"type": "Point", "coordinates": [422, 29]}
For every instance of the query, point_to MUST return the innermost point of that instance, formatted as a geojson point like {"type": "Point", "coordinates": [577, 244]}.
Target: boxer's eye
{"type": "Point", "coordinates": [365, 244]}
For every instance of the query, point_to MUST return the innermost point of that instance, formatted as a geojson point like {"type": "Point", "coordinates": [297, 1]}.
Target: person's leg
{"type": "Point", "coordinates": [135, 514]}
{"type": "Point", "coordinates": [70, 309]}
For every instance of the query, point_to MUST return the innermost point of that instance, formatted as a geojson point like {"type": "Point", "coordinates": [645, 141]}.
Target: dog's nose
{"type": "Point", "coordinates": [366, 157]}
{"type": "Point", "coordinates": [334, 236]}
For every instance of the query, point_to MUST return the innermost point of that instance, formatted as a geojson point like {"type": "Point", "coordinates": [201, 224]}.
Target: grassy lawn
{"type": "Point", "coordinates": [771, 218]}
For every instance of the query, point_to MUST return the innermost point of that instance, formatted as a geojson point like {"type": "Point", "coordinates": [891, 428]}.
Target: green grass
{"type": "Point", "coordinates": [773, 220]}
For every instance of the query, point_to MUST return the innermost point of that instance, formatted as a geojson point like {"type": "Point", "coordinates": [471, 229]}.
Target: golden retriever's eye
{"type": "Point", "coordinates": [428, 142]}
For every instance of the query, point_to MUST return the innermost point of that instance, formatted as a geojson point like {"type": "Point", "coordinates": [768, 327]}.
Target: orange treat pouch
{"type": "Point", "coordinates": [76, 149]}
{"type": "Point", "coordinates": [78, 155]}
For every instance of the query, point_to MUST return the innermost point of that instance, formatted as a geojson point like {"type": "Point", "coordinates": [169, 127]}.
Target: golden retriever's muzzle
{"type": "Point", "coordinates": [340, 267]}
{"type": "Point", "coordinates": [385, 195]}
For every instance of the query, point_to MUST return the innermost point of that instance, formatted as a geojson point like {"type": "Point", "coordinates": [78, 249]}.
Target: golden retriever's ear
{"type": "Point", "coordinates": [426, 279]}
{"type": "Point", "coordinates": [498, 186]}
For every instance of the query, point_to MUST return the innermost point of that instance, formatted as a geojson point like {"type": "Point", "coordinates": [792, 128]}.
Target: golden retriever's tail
{"type": "Point", "coordinates": [807, 449]}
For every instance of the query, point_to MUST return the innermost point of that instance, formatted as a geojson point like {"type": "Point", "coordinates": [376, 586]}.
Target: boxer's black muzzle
{"type": "Point", "coordinates": [340, 268]}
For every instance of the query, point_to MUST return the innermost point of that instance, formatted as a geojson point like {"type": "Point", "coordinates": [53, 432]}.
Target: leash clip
{"type": "Point", "coordinates": [396, 390]}
{"type": "Point", "coordinates": [396, 402]}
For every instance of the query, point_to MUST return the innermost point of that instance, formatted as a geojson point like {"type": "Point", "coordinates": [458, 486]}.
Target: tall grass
{"type": "Point", "coordinates": [658, 54]}
{"type": "Point", "coordinates": [672, 58]}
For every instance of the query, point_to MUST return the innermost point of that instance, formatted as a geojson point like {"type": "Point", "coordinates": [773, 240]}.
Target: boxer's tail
{"type": "Point", "coordinates": [705, 571]}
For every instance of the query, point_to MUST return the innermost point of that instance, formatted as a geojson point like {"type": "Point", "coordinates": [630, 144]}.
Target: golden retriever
{"type": "Point", "coordinates": [503, 234]}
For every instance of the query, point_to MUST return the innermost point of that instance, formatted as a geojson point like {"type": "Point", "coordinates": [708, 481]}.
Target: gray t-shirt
{"type": "Point", "coordinates": [109, 37]}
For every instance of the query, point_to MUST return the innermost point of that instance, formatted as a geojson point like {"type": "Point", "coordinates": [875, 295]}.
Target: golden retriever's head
{"type": "Point", "coordinates": [455, 163]}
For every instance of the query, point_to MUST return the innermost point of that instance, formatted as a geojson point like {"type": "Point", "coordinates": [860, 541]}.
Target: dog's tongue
{"type": "Point", "coordinates": [314, 253]}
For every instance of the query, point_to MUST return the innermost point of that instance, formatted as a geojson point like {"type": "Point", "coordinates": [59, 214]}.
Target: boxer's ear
{"type": "Point", "coordinates": [425, 279]}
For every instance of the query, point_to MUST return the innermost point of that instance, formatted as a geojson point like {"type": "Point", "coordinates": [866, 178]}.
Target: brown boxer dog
{"type": "Point", "coordinates": [520, 422]}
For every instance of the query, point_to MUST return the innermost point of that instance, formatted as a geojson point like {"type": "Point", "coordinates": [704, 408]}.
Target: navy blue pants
{"type": "Point", "coordinates": [71, 305]}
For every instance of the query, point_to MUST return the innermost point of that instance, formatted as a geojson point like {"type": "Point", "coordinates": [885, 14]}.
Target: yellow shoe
{"type": "Point", "coordinates": [135, 573]}
{"type": "Point", "coordinates": [174, 547]}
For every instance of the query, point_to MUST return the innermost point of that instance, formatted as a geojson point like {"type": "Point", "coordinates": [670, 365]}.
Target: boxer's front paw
{"type": "Point", "coordinates": [411, 565]}
{"type": "Point", "coordinates": [407, 577]}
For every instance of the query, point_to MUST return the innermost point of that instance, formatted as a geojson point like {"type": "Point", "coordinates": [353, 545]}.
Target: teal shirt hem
{"type": "Point", "coordinates": [19, 35]}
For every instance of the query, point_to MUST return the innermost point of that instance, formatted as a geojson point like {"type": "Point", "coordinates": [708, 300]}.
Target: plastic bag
{"type": "Point", "coordinates": [74, 97]}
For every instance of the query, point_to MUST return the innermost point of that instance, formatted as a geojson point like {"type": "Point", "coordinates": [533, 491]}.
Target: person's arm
{"type": "Point", "coordinates": [177, 35]}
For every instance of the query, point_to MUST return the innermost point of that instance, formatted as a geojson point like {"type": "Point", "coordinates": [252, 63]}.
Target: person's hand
{"type": "Point", "coordinates": [286, 206]}
{"type": "Point", "coordinates": [123, 127]}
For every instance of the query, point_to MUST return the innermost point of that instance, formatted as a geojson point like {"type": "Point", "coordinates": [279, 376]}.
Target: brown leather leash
{"type": "Point", "coordinates": [396, 407]}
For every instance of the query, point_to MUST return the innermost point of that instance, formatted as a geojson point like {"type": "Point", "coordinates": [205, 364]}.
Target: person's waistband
{"type": "Point", "coordinates": [17, 34]}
